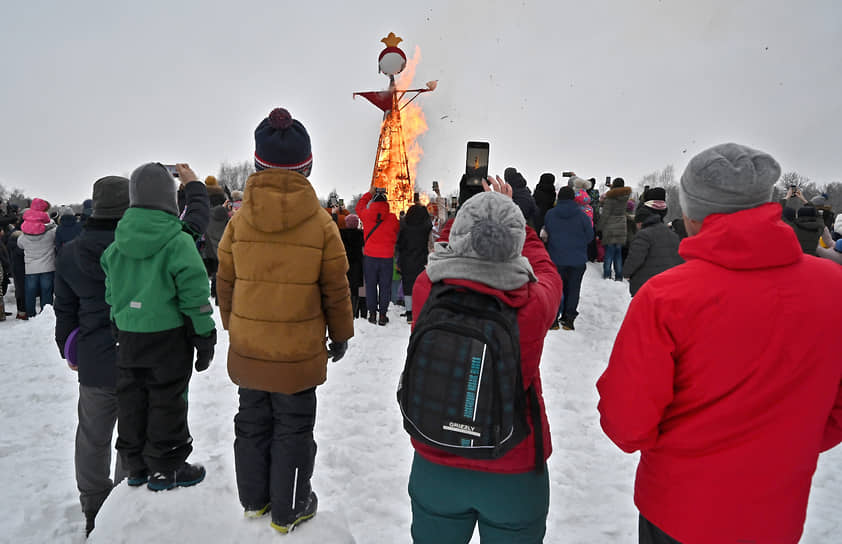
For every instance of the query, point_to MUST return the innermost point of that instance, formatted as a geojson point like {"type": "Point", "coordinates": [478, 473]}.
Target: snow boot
{"type": "Point", "coordinates": [258, 511]}
{"type": "Point", "coordinates": [184, 476]}
{"type": "Point", "coordinates": [383, 319]}
{"type": "Point", "coordinates": [554, 326]}
{"type": "Point", "coordinates": [409, 317]}
{"type": "Point", "coordinates": [567, 324]}
{"type": "Point", "coordinates": [137, 478]}
{"type": "Point", "coordinates": [372, 317]}
{"type": "Point", "coordinates": [308, 513]}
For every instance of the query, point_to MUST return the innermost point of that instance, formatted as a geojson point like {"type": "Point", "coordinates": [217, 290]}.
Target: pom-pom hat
{"type": "Point", "coordinates": [282, 142]}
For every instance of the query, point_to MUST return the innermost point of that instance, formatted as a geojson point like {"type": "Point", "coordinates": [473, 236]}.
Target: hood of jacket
{"type": "Point", "coordinates": [90, 245]}
{"type": "Point", "coordinates": [39, 205]}
{"type": "Point", "coordinates": [142, 232]}
{"type": "Point", "coordinates": [619, 192]}
{"type": "Point", "coordinates": [67, 221]}
{"type": "Point", "coordinates": [219, 213]}
{"type": "Point", "coordinates": [813, 224]}
{"type": "Point", "coordinates": [276, 200]}
{"type": "Point", "coordinates": [731, 240]}
{"type": "Point", "coordinates": [416, 215]}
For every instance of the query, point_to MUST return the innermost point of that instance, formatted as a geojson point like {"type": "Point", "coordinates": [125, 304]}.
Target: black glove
{"type": "Point", "coordinates": [337, 350]}
{"type": "Point", "coordinates": [204, 350]}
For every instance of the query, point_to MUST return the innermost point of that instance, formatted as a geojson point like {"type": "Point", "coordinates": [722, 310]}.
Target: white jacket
{"type": "Point", "coordinates": [39, 252]}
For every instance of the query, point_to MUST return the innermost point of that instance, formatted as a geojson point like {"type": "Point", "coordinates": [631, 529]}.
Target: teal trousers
{"type": "Point", "coordinates": [448, 502]}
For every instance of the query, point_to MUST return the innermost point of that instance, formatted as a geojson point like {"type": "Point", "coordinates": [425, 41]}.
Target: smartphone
{"type": "Point", "coordinates": [454, 202]}
{"type": "Point", "coordinates": [416, 197]}
{"type": "Point", "coordinates": [567, 174]}
{"type": "Point", "coordinates": [341, 202]}
{"type": "Point", "coordinates": [476, 163]}
{"type": "Point", "coordinates": [608, 181]}
{"type": "Point", "coordinates": [171, 169]}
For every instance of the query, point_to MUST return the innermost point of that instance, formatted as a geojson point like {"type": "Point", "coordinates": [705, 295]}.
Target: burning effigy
{"type": "Point", "coordinates": [398, 149]}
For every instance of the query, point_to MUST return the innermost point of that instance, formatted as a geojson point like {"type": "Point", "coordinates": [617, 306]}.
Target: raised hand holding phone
{"type": "Point", "coordinates": [497, 186]}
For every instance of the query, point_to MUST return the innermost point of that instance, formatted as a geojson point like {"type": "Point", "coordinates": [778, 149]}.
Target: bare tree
{"type": "Point", "coordinates": [234, 176]}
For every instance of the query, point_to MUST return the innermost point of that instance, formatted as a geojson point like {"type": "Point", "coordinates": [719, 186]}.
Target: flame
{"type": "Point", "coordinates": [412, 117]}
{"type": "Point", "coordinates": [423, 199]}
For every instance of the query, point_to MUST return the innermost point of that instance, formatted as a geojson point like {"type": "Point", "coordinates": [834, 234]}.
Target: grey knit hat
{"type": "Point", "coordinates": [490, 227]}
{"type": "Point", "coordinates": [727, 178]}
{"type": "Point", "coordinates": [66, 210]}
{"type": "Point", "coordinates": [485, 245]}
{"type": "Point", "coordinates": [151, 186]}
{"type": "Point", "coordinates": [110, 198]}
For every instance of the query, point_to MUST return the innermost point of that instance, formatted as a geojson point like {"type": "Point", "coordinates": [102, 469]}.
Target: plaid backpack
{"type": "Point", "coordinates": [461, 389]}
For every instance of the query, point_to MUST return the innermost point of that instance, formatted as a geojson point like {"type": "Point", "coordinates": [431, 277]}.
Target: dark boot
{"type": "Point", "coordinates": [184, 476]}
{"type": "Point", "coordinates": [567, 323]}
{"type": "Point", "coordinates": [372, 317]}
{"type": "Point", "coordinates": [383, 319]}
{"type": "Point", "coordinates": [409, 317]}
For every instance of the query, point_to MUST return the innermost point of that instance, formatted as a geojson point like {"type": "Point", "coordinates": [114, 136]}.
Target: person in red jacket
{"type": "Point", "coordinates": [508, 496]}
{"type": "Point", "coordinates": [718, 375]}
{"type": "Point", "coordinates": [380, 228]}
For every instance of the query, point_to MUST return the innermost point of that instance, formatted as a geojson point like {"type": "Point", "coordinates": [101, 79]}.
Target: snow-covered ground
{"type": "Point", "coordinates": [364, 455]}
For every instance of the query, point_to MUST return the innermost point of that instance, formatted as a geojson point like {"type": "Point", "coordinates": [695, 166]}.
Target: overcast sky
{"type": "Point", "coordinates": [610, 87]}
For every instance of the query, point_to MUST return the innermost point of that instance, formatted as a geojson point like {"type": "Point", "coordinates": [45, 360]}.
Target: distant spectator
{"type": "Point", "coordinates": [568, 230]}
{"type": "Point", "coordinates": [544, 196]}
{"type": "Point", "coordinates": [216, 227]}
{"type": "Point", "coordinates": [833, 251]}
{"type": "Point", "coordinates": [38, 244]}
{"type": "Point", "coordinates": [654, 248]}
{"type": "Point", "coordinates": [68, 227]}
{"type": "Point", "coordinates": [381, 232]}
{"type": "Point", "coordinates": [413, 246]}
{"type": "Point", "coordinates": [87, 210]}
{"type": "Point", "coordinates": [352, 239]}
{"type": "Point", "coordinates": [614, 228]}
{"type": "Point", "coordinates": [18, 261]}
{"type": "Point", "coordinates": [521, 195]}
{"type": "Point", "coordinates": [808, 228]}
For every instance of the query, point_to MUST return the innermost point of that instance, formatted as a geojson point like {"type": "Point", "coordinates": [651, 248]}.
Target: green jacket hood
{"type": "Point", "coordinates": [143, 232]}
{"type": "Point", "coordinates": [277, 200]}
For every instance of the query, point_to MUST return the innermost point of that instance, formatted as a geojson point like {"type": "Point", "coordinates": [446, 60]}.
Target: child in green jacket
{"type": "Point", "coordinates": [157, 287]}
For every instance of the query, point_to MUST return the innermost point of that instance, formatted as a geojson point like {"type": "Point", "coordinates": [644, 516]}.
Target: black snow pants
{"type": "Point", "coordinates": [649, 534]}
{"type": "Point", "coordinates": [274, 451]}
{"type": "Point", "coordinates": [153, 372]}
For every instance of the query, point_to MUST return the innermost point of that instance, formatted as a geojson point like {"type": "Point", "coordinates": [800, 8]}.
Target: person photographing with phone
{"type": "Point", "coordinates": [380, 231]}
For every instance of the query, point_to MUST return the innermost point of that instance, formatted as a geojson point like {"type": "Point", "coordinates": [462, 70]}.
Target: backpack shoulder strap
{"type": "Point", "coordinates": [376, 224]}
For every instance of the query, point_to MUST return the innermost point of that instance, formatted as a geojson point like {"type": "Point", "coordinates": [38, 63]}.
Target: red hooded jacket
{"type": "Point", "coordinates": [537, 304]}
{"type": "Point", "coordinates": [721, 378]}
{"type": "Point", "coordinates": [382, 242]}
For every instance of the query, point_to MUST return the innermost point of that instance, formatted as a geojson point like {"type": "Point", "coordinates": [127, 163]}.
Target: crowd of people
{"type": "Point", "coordinates": [704, 378]}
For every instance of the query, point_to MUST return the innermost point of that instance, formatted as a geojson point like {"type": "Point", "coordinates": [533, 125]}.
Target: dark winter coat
{"type": "Point", "coordinates": [68, 229]}
{"type": "Point", "coordinates": [721, 378]}
{"type": "Point", "coordinates": [522, 197]}
{"type": "Point", "coordinates": [653, 250]}
{"type": "Point", "coordinates": [612, 220]}
{"type": "Point", "coordinates": [413, 245]}
{"type": "Point", "coordinates": [213, 234]}
{"type": "Point", "coordinates": [195, 205]}
{"type": "Point", "coordinates": [544, 197]}
{"type": "Point", "coordinates": [80, 302]}
{"type": "Point", "coordinates": [17, 257]}
{"type": "Point", "coordinates": [569, 232]}
{"type": "Point", "coordinates": [808, 230]}
{"type": "Point", "coordinates": [352, 239]}
{"type": "Point", "coordinates": [381, 242]}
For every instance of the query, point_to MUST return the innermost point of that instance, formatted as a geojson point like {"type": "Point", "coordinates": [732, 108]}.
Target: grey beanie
{"type": "Point", "coordinates": [727, 178]}
{"type": "Point", "coordinates": [151, 186]}
{"type": "Point", "coordinates": [490, 227]}
{"type": "Point", "coordinates": [66, 210]}
{"type": "Point", "coordinates": [110, 198]}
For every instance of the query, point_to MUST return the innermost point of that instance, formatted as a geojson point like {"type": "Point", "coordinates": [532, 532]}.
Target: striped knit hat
{"type": "Point", "coordinates": [282, 142]}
